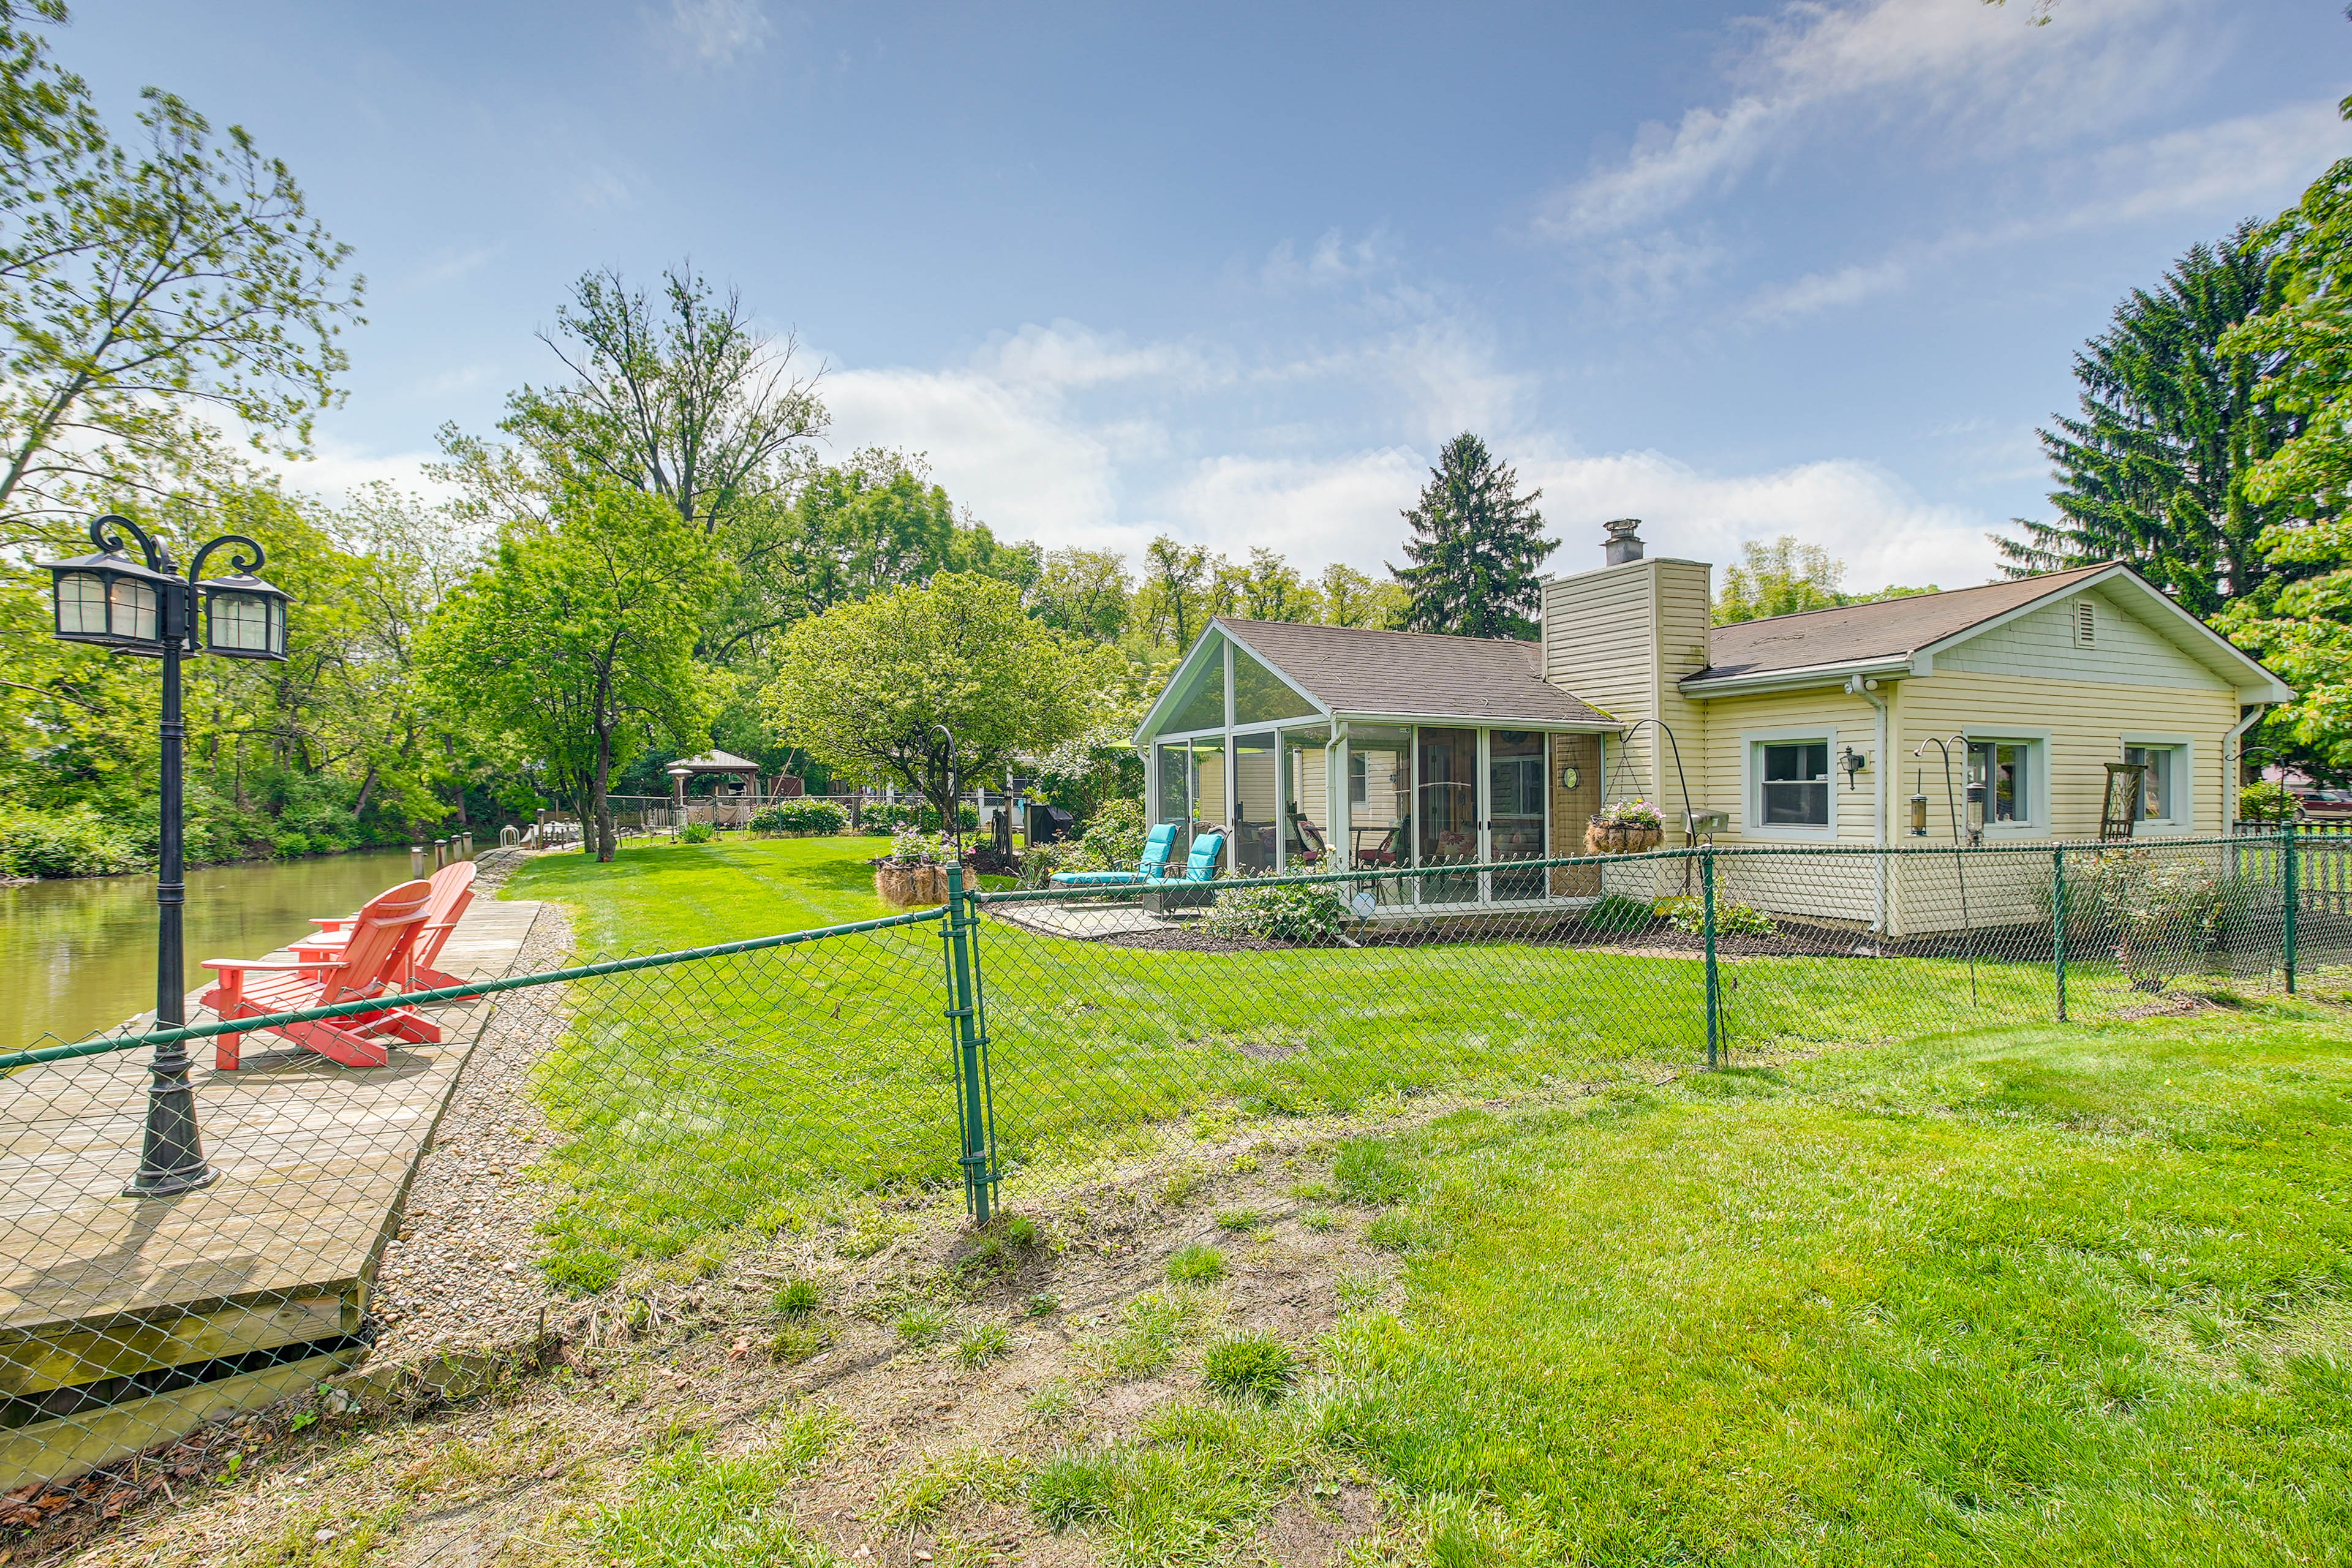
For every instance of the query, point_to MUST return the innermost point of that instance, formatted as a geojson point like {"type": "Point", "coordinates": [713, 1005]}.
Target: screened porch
{"type": "Point", "coordinates": [1259, 750]}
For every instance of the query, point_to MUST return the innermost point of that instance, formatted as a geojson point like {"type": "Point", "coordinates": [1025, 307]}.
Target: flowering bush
{"type": "Point", "coordinates": [1286, 913]}
{"type": "Point", "coordinates": [697, 832]}
{"type": "Point", "coordinates": [1628, 814]}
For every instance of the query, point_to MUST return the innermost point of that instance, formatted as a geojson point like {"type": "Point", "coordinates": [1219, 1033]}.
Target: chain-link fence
{"type": "Point", "coordinates": [670, 1099]}
{"type": "Point", "coordinates": [671, 1102]}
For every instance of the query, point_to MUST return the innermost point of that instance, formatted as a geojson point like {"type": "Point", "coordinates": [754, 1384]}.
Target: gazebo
{"type": "Point", "coordinates": [715, 762]}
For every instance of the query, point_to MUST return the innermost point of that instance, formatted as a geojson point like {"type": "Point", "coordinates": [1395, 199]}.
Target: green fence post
{"type": "Point", "coordinates": [2058, 924]}
{"type": "Point", "coordinates": [1714, 986]}
{"type": "Point", "coordinates": [971, 1094]}
{"type": "Point", "coordinates": [2288, 869]}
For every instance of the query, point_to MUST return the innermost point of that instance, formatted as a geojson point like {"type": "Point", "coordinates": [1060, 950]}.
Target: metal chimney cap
{"type": "Point", "coordinates": [1623, 544]}
{"type": "Point", "coordinates": [1621, 527]}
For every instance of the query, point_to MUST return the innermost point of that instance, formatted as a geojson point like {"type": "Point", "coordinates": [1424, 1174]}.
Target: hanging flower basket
{"type": "Point", "coordinates": [1624, 827]}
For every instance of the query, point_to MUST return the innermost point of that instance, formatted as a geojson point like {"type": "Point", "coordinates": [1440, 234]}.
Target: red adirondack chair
{"type": "Point", "coordinates": [371, 963]}
{"type": "Point", "coordinates": [452, 891]}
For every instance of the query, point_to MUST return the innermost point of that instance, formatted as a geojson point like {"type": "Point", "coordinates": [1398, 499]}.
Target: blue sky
{"type": "Point", "coordinates": [1235, 271]}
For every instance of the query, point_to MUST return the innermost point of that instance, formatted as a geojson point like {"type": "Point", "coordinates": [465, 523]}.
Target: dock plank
{"type": "Point", "coordinates": [312, 1160]}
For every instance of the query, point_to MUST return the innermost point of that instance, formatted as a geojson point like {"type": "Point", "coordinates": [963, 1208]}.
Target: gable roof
{"type": "Point", "coordinates": [1908, 632]}
{"type": "Point", "coordinates": [1363, 672]}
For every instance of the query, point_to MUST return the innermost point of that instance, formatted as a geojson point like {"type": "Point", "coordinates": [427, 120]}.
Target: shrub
{"type": "Point", "coordinates": [1730, 919]}
{"type": "Point", "coordinates": [74, 843]}
{"type": "Point", "coordinates": [697, 832]}
{"type": "Point", "coordinates": [1113, 838]}
{"type": "Point", "coordinates": [2266, 802]}
{"type": "Point", "coordinates": [903, 814]}
{"type": "Point", "coordinates": [910, 848]}
{"type": "Point", "coordinates": [1288, 912]}
{"type": "Point", "coordinates": [1250, 1366]}
{"type": "Point", "coordinates": [1039, 862]}
{"type": "Point", "coordinates": [1618, 912]}
{"type": "Point", "coordinates": [800, 816]}
{"type": "Point", "coordinates": [2163, 911]}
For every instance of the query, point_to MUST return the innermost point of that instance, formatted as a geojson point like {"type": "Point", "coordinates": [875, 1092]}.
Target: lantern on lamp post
{"type": "Point", "coordinates": [144, 607]}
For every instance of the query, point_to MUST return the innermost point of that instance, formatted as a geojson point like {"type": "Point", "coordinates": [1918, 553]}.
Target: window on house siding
{"type": "Point", "coordinates": [2160, 785]}
{"type": "Point", "coordinates": [1795, 785]}
{"type": "Point", "coordinates": [2006, 770]}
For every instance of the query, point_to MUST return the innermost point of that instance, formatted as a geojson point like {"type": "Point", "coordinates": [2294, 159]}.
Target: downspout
{"type": "Point", "coordinates": [1863, 688]}
{"type": "Point", "coordinates": [2233, 755]}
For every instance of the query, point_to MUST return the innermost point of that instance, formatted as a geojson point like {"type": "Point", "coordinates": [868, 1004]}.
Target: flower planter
{"type": "Point", "coordinates": [910, 887]}
{"type": "Point", "coordinates": [1621, 838]}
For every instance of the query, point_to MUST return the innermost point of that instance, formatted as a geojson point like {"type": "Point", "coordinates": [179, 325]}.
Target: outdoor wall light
{"type": "Point", "coordinates": [1853, 762]}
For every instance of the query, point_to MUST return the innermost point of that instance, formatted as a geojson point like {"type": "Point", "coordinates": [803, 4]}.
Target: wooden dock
{"type": "Point", "coordinates": [126, 1322]}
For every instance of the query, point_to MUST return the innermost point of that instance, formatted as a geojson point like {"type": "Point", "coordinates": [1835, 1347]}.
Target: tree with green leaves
{"type": "Point", "coordinates": [145, 291]}
{"type": "Point", "coordinates": [1786, 577]}
{"type": "Point", "coordinates": [1475, 549]}
{"type": "Point", "coordinates": [2176, 413]}
{"type": "Point", "coordinates": [875, 688]}
{"type": "Point", "coordinates": [573, 648]}
{"type": "Point", "coordinates": [1177, 583]}
{"type": "Point", "coordinates": [2298, 620]}
{"type": "Point", "coordinates": [1353, 598]}
{"type": "Point", "coordinates": [1085, 594]}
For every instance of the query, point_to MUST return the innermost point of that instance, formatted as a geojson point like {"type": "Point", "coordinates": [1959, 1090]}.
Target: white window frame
{"type": "Point", "coordinates": [2183, 820]}
{"type": "Point", "coordinates": [2037, 785]}
{"type": "Point", "coordinates": [1751, 752]}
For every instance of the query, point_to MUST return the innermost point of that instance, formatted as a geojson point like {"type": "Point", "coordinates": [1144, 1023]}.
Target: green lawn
{"type": "Point", "coordinates": [2033, 1295]}
{"type": "Point", "coordinates": [706, 1096]}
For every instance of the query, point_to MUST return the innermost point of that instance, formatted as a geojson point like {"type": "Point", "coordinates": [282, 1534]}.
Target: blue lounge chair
{"type": "Point", "coordinates": [1153, 868]}
{"type": "Point", "coordinates": [1201, 865]}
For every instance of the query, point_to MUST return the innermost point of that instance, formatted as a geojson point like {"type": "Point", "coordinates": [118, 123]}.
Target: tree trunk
{"type": "Point", "coordinates": [602, 819]}
{"type": "Point", "coordinates": [367, 788]}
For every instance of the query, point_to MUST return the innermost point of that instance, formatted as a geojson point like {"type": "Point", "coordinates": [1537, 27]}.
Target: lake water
{"type": "Point", "coordinates": [77, 955]}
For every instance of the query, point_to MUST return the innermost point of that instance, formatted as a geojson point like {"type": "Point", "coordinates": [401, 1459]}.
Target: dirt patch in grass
{"type": "Point", "coordinates": [1062, 1333]}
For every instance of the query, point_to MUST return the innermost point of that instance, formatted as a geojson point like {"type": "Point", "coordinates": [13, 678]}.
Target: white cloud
{"type": "Point", "coordinates": [2235, 168]}
{"type": "Point", "coordinates": [716, 32]}
{"type": "Point", "coordinates": [337, 469]}
{"type": "Point", "coordinates": [1017, 462]}
{"type": "Point", "coordinates": [1313, 510]}
{"type": "Point", "coordinates": [1881, 529]}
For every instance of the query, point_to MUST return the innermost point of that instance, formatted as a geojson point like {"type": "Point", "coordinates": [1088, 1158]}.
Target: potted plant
{"type": "Point", "coordinates": [1624, 827]}
{"type": "Point", "coordinates": [914, 874]}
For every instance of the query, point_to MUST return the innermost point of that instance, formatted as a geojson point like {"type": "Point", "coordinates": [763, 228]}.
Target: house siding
{"type": "Point", "coordinates": [2039, 646]}
{"type": "Point", "coordinates": [1620, 639]}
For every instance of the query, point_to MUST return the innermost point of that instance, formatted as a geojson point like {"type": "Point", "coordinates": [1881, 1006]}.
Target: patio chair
{"type": "Point", "coordinates": [369, 964]}
{"type": "Point", "coordinates": [1201, 865]}
{"type": "Point", "coordinates": [1156, 847]}
{"type": "Point", "coordinates": [452, 891]}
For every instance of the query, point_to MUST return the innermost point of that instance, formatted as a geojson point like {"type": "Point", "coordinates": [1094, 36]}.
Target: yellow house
{"type": "Point", "coordinates": [1342, 747]}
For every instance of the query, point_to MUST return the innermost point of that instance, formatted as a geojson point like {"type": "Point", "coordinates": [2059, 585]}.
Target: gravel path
{"type": "Point", "coordinates": [460, 1272]}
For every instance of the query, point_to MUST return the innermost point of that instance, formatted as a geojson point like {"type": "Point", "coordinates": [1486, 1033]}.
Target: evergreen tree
{"type": "Point", "coordinates": [2154, 470]}
{"type": "Point", "coordinates": [1476, 546]}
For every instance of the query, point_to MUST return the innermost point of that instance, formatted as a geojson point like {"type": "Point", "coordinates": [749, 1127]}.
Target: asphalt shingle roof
{"type": "Point", "coordinates": [1887, 629]}
{"type": "Point", "coordinates": [1358, 670]}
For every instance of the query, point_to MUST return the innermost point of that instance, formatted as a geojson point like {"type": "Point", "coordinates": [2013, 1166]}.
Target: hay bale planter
{"type": "Point", "coordinates": [910, 887]}
{"type": "Point", "coordinates": [1622, 837]}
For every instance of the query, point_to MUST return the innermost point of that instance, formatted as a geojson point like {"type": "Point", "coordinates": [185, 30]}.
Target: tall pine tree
{"type": "Point", "coordinates": [2152, 470]}
{"type": "Point", "coordinates": [1476, 546]}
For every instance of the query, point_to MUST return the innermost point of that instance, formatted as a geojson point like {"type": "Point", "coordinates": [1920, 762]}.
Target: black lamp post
{"type": "Point", "coordinates": [145, 607]}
